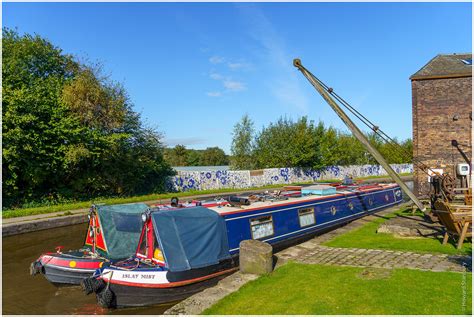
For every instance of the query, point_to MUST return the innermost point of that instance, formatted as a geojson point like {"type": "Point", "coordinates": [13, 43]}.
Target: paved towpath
{"type": "Point", "coordinates": [312, 252]}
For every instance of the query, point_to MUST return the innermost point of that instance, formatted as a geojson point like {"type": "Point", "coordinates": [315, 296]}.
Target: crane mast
{"type": "Point", "coordinates": [358, 133]}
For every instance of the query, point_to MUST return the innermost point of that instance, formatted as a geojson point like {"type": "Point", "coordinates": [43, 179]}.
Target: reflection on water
{"type": "Point", "coordinates": [25, 294]}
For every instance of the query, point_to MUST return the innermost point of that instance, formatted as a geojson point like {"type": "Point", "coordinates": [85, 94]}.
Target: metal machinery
{"type": "Point", "coordinates": [443, 185]}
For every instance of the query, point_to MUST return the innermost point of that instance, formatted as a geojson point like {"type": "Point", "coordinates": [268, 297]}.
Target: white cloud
{"type": "Point", "coordinates": [229, 84]}
{"type": "Point", "coordinates": [214, 93]}
{"type": "Point", "coordinates": [234, 85]}
{"type": "Point", "coordinates": [216, 59]}
{"type": "Point", "coordinates": [216, 76]}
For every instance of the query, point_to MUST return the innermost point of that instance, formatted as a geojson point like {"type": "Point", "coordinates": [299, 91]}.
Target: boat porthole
{"type": "Point", "coordinates": [72, 264]}
{"type": "Point", "coordinates": [98, 231]}
{"type": "Point", "coordinates": [351, 206]}
{"type": "Point", "coordinates": [371, 201]}
{"type": "Point", "coordinates": [333, 210]}
{"type": "Point", "coordinates": [386, 197]}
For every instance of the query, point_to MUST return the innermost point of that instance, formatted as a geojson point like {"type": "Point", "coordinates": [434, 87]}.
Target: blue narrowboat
{"type": "Point", "coordinates": [184, 251]}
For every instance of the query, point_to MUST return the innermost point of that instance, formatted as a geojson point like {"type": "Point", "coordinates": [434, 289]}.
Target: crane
{"type": "Point", "coordinates": [325, 93]}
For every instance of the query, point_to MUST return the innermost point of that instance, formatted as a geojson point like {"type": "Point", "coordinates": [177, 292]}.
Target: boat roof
{"type": "Point", "coordinates": [191, 238]}
{"type": "Point", "coordinates": [349, 190]}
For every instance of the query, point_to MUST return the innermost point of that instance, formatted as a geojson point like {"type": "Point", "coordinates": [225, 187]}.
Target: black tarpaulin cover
{"type": "Point", "coordinates": [191, 237]}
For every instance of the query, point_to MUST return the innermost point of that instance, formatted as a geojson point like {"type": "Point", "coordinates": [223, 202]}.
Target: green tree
{"type": "Point", "coordinates": [288, 144]}
{"type": "Point", "coordinates": [193, 158]}
{"type": "Point", "coordinates": [68, 131]}
{"type": "Point", "coordinates": [407, 145]}
{"type": "Point", "coordinates": [179, 155]}
{"type": "Point", "coordinates": [350, 151]}
{"type": "Point", "coordinates": [242, 144]}
{"type": "Point", "coordinates": [214, 156]}
{"type": "Point", "coordinates": [33, 75]}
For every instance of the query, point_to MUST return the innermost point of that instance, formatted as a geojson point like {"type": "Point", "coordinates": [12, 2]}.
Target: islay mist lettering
{"type": "Point", "coordinates": [136, 276]}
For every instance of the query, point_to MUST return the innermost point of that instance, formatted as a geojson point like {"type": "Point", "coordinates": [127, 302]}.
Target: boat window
{"type": "Point", "coordinates": [127, 222]}
{"type": "Point", "coordinates": [306, 216]}
{"type": "Point", "coordinates": [158, 255]}
{"type": "Point", "coordinates": [261, 227]}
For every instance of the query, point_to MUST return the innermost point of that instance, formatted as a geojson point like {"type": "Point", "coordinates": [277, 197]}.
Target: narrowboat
{"type": "Point", "coordinates": [181, 252]}
{"type": "Point", "coordinates": [112, 235]}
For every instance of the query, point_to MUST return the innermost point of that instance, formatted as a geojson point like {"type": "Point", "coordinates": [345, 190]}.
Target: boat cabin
{"type": "Point", "coordinates": [183, 239]}
{"type": "Point", "coordinates": [114, 230]}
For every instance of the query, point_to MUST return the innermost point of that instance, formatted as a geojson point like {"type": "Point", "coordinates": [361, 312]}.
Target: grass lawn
{"type": "Point", "coordinates": [44, 209]}
{"type": "Point", "coordinates": [366, 237]}
{"type": "Point", "coordinates": [318, 289]}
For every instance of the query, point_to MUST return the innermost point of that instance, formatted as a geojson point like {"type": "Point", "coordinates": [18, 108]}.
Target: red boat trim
{"type": "Point", "coordinates": [372, 189]}
{"type": "Point", "coordinates": [171, 284]}
{"type": "Point", "coordinates": [68, 269]}
{"type": "Point", "coordinates": [73, 263]}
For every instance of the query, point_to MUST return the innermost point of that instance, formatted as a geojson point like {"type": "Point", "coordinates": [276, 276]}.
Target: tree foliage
{"type": "Point", "coordinates": [242, 148]}
{"type": "Point", "coordinates": [211, 156]}
{"type": "Point", "coordinates": [69, 132]}
{"type": "Point", "coordinates": [302, 143]}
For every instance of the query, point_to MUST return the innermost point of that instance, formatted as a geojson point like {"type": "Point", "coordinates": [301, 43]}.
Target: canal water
{"type": "Point", "coordinates": [24, 294]}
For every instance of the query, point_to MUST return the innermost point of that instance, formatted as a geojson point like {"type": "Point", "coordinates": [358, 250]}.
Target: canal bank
{"type": "Point", "coordinates": [19, 225]}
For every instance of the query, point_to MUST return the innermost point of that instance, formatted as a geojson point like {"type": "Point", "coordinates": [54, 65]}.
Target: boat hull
{"type": "Point", "coordinates": [143, 287]}
{"type": "Point", "coordinates": [61, 269]}
{"type": "Point", "coordinates": [130, 296]}
{"type": "Point", "coordinates": [64, 277]}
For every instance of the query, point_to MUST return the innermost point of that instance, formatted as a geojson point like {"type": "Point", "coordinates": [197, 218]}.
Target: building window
{"type": "Point", "coordinates": [306, 216]}
{"type": "Point", "coordinates": [261, 227]}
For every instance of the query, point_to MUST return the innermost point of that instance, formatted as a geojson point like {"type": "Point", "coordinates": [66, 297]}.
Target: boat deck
{"type": "Point", "coordinates": [271, 203]}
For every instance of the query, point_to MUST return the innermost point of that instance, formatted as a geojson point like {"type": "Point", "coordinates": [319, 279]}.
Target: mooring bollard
{"type": "Point", "coordinates": [256, 257]}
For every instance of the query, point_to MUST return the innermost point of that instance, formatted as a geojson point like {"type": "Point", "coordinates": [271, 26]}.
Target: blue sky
{"type": "Point", "coordinates": [193, 69]}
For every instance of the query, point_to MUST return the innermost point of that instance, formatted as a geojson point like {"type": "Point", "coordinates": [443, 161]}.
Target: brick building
{"type": "Point", "coordinates": [442, 112]}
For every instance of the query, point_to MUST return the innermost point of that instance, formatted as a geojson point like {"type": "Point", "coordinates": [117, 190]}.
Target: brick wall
{"type": "Point", "coordinates": [435, 103]}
